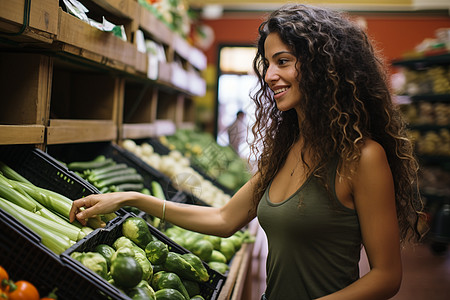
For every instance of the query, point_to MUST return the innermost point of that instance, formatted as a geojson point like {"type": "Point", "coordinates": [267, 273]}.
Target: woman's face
{"type": "Point", "coordinates": [282, 74]}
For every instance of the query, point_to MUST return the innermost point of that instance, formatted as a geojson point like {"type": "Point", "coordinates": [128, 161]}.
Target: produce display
{"type": "Point", "coordinates": [215, 251]}
{"type": "Point", "coordinates": [19, 289]}
{"type": "Point", "coordinates": [177, 167]}
{"type": "Point", "coordinates": [143, 267]}
{"type": "Point", "coordinates": [43, 211]}
{"type": "Point", "coordinates": [109, 176]}
{"type": "Point", "coordinates": [219, 162]}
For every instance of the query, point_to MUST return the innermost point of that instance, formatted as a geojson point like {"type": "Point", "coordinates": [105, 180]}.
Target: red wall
{"type": "Point", "coordinates": [394, 35]}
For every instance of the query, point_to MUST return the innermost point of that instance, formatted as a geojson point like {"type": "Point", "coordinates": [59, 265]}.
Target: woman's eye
{"type": "Point", "coordinates": [282, 61]}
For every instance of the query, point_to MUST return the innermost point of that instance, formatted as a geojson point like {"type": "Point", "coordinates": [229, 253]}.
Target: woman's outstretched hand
{"type": "Point", "coordinates": [97, 204]}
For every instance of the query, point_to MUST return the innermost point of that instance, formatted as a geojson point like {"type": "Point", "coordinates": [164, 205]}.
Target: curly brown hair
{"type": "Point", "coordinates": [345, 99]}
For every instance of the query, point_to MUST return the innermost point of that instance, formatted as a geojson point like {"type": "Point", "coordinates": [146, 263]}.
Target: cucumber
{"type": "Point", "coordinates": [98, 162]}
{"type": "Point", "coordinates": [158, 191]}
{"type": "Point", "coordinates": [130, 178]}
{"type": "Point", "coordinates": [116, 173]}
{"type": "Point", "coordinates": [129, 187]}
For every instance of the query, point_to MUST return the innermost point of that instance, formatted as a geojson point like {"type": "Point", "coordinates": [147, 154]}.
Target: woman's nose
{"type": "Point", "coordinates": [271, 74]}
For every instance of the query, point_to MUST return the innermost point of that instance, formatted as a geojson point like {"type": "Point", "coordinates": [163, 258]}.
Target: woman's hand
{"type": "Point", "coordinates": [96, 204]}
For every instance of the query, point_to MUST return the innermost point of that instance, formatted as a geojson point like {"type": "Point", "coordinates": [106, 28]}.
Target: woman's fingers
{"type": "Point", "coordinates": [77, 211]}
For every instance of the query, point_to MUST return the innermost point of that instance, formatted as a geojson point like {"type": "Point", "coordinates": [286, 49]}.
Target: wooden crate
{"type": "Point", "coordinates": [42, 23]}
{"type": "Point", "coordinates": [74, 32]}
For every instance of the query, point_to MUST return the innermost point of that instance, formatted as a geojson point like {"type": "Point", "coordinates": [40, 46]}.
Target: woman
{"type": "Point", "coordinates": [336, 171]}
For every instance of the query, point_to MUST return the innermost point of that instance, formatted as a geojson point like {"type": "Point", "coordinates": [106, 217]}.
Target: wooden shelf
{"type": "Point", "coordinates": [42, 24]}
{"type": "Point", "coordinates": [80, 131]}
{"type": "Point", "coordinates": [74, 32]}
{"type": "Point", "coordinates": [22, 134]}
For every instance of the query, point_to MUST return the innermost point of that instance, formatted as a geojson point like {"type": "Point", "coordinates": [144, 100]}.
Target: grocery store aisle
{"type": "Point", "coordinates": [425, 276]}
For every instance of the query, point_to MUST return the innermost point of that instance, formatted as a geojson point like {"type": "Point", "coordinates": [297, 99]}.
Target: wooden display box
{"type": "Point", "coordinates": [84, 105]}
{"type": "Point", "coordinates": [42, 24]}
{"type": "Point", "coordinates": [104, 45]}
{"type": "Point", "coordinates": [139, 111]}
{"type": "Point", "coordinates": [25, 81]}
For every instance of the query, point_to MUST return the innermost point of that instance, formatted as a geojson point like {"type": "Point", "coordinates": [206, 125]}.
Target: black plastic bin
{"type": "Point", "coordinates": [44, 171]}
{"type": "Point", "coordinates": [25, 258]}
{"type": "Point", "coordinates": [209, 290]}
{"type": "Point", "coordinates": [88, 151]}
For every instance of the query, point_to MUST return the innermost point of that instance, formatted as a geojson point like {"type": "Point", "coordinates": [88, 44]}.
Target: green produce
{"type": "Point", "coordinates": [196, 262]}
{"type": "Point", "coordinates": [123, 251]}
{"type": "Point", "coordinates": [55, 241]}
{"type": "Point", "coordinates": [138, 293]}
{"type": "Point", "coordinates": [186, 267]}
{"type": "Point", "coordinates": [123, 241]}
{"type": "Point", "coordinates": [158, 191]}
{"type": "Point", "coordinates": [95, 177]}
{"type": "Point", "coordinates": [11, 174]}
{"type": "Point", "coordinates": [169, 294]}
{"type": "Point", "coordinates": [203, 249]}
{"type": "Point", "coordinates": [142, 291]}
{"type": "Point", "coordinates": [156, 252]}
{"type": "Point", "coordinates": [218, 257]}
{"type": "Point", "coordinates": [136, 229]}
{"type": "Point", "coordinates": [129, 178]}
{"type": "Point", "coordinates": [169, 280]}
{"type": "Point", "coordinates": [93, 261]}
{"type": "Point", "coordinates": [129, 187]}
{"type": "Point", "coordinates": [126, 272]}
{"type": "Point", "coordinates": [192, 287]}
{"type": "Point", "coordinates": [54, 201]}
{"type": "Point", "coordinates": [9, 193]}
{"type": "Point", "coordinates": [215, 240]}
{"type": "Point", "coordinates": [106, 251]}
{"type": "Point", "coordinates": [103, 170]}
{"type": "Point", "coordinates": [197, 297]}
{"type": "Point", "coordinates": [147, 269]}
{"type": "Point", "coordinates": [98, 162]}
{"type": "Point", "coordinates": [219, 267]}
{"type": "Point", "coordinates": [227, 248]}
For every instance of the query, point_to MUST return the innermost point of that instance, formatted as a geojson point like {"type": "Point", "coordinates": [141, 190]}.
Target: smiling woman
{"type": "Point", "coordinates": [327, 141]}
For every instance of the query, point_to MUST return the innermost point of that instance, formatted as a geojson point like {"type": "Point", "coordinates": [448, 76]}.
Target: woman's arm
{"type": "Point", "coordinates": [221, 221]}
{"type": "Point", "coordinates": [373, 193]}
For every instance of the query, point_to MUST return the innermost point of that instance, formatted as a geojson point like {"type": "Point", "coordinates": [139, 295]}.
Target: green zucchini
{"type": "Point", "coordinates": [129, 187]}
{"type": "Point", "coordinates": [130, 178]}
{"type": "Point", "coordinates": [98, 162]}
{"type": "Point", "coordinates": [157, 190]}
{"type": "Point", "coordinates": [116, 173]}
{"type": "Point", "coordinates": [106, 169]}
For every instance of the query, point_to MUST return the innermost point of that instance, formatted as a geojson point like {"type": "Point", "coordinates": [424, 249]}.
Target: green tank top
{"type": "Point", "coordinates": [314, 248]}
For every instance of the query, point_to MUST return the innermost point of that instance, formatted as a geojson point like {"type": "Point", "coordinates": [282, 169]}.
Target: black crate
{"type": "Point", "coordinates": [44, 171]}
{"type": "Point", "coordinates": [209, 290]}
{"type": "Point", "coordinates": [88, 151]}
{"type": "Point", "coordinates": [25, 258]}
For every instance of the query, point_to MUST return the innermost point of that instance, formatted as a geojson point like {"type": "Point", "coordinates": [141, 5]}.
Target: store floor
{"type": "Point", "coordinates": [425, 276]}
